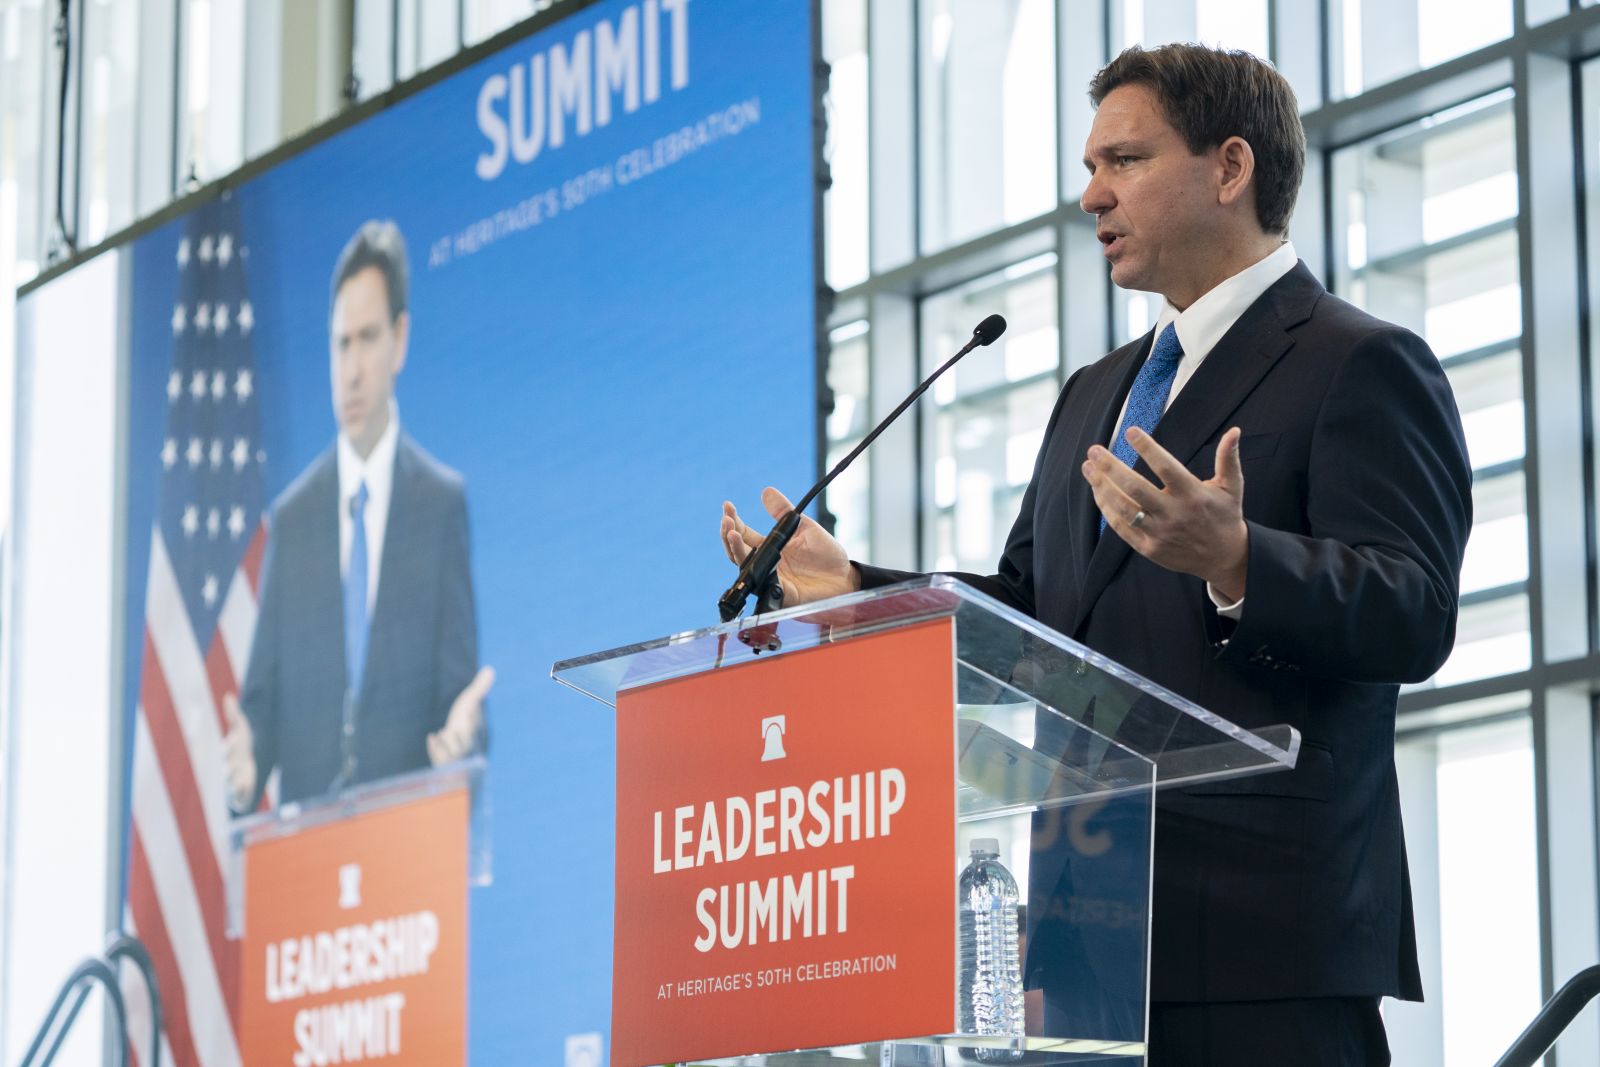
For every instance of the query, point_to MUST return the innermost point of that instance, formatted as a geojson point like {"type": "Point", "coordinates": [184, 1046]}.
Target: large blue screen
{"type": "Point", "coordinates": [612, 328]}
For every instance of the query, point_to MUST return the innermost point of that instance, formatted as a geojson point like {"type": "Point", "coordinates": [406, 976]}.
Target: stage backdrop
{"type": "Point", "coordinates": [611, 324]}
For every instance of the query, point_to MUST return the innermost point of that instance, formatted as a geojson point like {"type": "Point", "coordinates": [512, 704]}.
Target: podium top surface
{"type": "Point", "coordinates": [297, 816]}
{"type": "Point", "coordinates": [1004, 660]}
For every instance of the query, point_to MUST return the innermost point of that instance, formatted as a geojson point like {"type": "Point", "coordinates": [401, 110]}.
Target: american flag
{"type": "Point", "coordinates": [200, 613]}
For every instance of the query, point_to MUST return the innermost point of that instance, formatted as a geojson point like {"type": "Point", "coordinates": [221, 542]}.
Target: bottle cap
{"type": "Point", "coordinates": [986, 846]}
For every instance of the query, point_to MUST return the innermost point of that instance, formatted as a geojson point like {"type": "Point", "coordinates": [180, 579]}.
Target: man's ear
{"type": "Point", "coordinates": [1236, 169]}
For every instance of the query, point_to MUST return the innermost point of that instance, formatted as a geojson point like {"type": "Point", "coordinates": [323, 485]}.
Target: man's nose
{"type": "Point", "coordinates": [1096, 199]}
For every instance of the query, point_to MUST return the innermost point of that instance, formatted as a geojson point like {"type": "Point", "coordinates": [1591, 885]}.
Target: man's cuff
{"type": "Point", "coordinates": [1232, 611]}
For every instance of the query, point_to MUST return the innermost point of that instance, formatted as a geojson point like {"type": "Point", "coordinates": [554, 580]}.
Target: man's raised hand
{"type": "Point", "coordinates": [814, 565]}
{"type": "Point", "coordinates": [1185, 524]}
{"type": "Point", "coordinates": [463, 726]}
{"type": "Point", "coordinates": [239, 753]}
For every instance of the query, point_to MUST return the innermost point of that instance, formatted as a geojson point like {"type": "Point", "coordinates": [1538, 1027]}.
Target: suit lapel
{"type": "Point", "coordinates": [1238, 363]}
{"type": "Point", "coordinates": [1224, 379]}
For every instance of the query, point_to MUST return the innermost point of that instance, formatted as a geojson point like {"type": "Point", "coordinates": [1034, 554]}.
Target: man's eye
{"type": "Point", "coordinates": [1126, 159]}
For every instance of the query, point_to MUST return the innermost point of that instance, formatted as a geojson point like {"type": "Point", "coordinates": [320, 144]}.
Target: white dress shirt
{"type": "Point", "coordinates": [1201, 325]}
{"type": "Point", "coordinates": [377, 470]}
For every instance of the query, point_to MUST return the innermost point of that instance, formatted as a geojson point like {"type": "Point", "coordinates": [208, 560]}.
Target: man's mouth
{"type": "Point", "coordinates": [1110, 243]}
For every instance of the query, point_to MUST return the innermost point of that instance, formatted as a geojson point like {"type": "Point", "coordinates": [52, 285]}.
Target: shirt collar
{"type": "Point", "coordinates": [377, 470]}
{"type": "Point", "coordinates": [1203, 323]}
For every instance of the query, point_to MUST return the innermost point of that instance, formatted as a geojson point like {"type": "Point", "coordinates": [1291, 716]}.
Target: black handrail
{"type": "Point", "coordinates": [123, 946]}
{"type": "Point", "coordinates": [1552, 1019]}
{"type": "Point", "coordinates": [77, 986]}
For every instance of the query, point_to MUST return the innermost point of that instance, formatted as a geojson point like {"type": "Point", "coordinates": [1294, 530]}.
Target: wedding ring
{"type": "Point", "coordinates": [1137, 520]}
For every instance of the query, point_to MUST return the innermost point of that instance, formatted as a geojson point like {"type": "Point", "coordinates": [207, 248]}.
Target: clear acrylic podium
{"type": "Point", "coordinates": [1058, 753]}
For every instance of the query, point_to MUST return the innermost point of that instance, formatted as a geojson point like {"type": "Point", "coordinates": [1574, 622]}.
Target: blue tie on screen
{"type": "Point", "coordinates": [355, 592]}
{"type": "Point", "coordinates": [1148, 397]}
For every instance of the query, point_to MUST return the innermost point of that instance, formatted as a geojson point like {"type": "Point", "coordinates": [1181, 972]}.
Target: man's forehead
{"type": "Point", "coordinates": [365, 282]}
{"type": "Point", "coordinates": [1130, 101]}
{"type": "Point", "coordinates": [1128, 113]}
{"type": "Point", "coordinates": [361, 296]}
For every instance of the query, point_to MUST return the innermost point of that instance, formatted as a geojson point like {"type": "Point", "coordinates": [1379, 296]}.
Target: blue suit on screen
{"type": "Point", "coordinates": [422, 644]}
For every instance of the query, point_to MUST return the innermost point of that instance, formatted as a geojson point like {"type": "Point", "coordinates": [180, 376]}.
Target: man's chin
{"type": "Point", "coordinates": [360, 437]}
{"type": "Point", "coordinates": [1125, 275]}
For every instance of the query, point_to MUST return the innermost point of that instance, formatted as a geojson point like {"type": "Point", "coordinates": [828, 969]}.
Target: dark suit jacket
{"type": "Point", "coordinates": [422, 648]}
{"type": "Point", "coordinates": [1358, 500]}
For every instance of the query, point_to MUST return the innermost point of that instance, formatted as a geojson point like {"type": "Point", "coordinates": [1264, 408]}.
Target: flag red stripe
{"type": "Point", "coordinates": [171, 752]}
{"type": "Point", "coordinates": [146, 907]}
{"type": "Point", "coordinates": [219, 672]}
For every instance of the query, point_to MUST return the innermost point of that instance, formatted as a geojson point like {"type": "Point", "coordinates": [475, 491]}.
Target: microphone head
{"type": "Point", "coordinates": [990, 328]}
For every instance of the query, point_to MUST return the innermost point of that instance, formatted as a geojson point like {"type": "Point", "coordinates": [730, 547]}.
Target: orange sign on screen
{"type": "Point", "coordinates": [355, 945]}
{"type": "Point", "coordinates": [786, 853]}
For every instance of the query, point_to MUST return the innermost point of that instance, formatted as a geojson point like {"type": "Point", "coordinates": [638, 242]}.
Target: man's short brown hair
{"type": "Point", "coordinates": [377, 244]}
{"type": "Point", "coordinates": [1210, 95]}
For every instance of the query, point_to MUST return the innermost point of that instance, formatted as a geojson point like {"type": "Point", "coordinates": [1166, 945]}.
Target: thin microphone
{"type": "Point", "coordinates": [756, 575]}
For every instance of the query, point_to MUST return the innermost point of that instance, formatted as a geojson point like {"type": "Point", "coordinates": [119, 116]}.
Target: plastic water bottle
{"type": "Point", "coordinates": [990, 970]}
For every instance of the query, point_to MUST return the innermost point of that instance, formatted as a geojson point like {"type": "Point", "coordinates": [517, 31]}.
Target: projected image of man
{"type": "Point", "coordinates": [364, 661]}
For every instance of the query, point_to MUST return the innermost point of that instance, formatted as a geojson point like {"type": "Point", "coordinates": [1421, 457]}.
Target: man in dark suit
{"type": "Point", "coordinates": [1261, 505]}
{"type": "Point", "coordinates": [364, 661]}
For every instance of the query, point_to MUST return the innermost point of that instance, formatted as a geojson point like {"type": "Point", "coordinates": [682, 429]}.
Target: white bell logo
{"type": "Point", "coordinates": [772, 728]}
{"type": "Point", "coordinates": [350, 885]}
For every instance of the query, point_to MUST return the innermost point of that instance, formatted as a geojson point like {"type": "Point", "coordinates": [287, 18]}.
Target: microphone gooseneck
{"type": "Point", "coordinates": [758, 573]}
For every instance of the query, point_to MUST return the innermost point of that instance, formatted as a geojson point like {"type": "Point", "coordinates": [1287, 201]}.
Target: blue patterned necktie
{"type": "Point", "coordinates": [355, 592]}
{"type": "Point", "coordinates": [1148, 397]}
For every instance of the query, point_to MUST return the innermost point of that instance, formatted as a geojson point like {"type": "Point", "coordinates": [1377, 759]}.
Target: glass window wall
{"type": "Point", "coordinates": [110, 123]}
{"type": "Point", "coordinates": [1371, 43]}
{"type": "Point", "coordinates": [844, 46]}
{"type": "Point", "coordinates": [988, 415]}
{"type": "Point", "coordinates": [1425, 220]}
{"type": "Point", "coordinates": [1469, 798]}
{"type": "Point", "coordinates": [434, 33]}
{"type": "Point", "coordinates": [24, 50]}
{"type": "Point", "coordinates": [211, 128]}
{"type": "Point", "coordinates": [849, 497]}
{"type": "Point", "coordinates": [1241, 24]}
{"type": "Point", "coordinates": [485, 18]}
{"type": "Point", "coordinates": [987, 116]}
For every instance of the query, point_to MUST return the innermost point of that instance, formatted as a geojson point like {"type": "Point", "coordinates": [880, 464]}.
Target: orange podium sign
{"type": "Point", "coordinates": [355, 939]}
{"type": "Point", "coordinates": [785, 852]}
